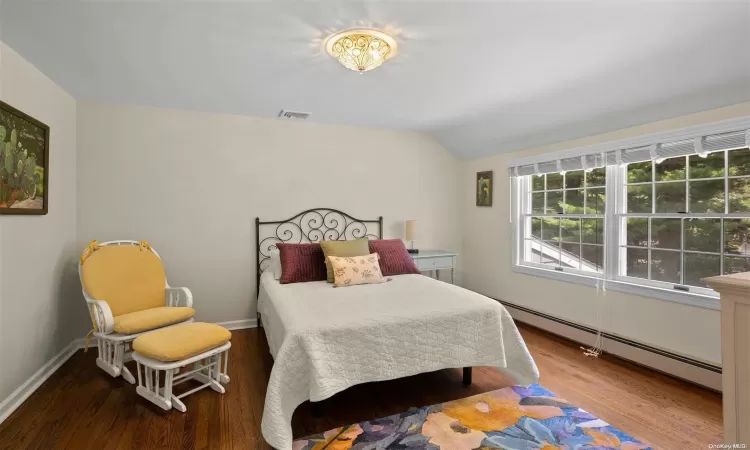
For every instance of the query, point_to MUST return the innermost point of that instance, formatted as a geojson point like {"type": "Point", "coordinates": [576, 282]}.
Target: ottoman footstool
{"type": "Point", "coordinates": [162, 354]}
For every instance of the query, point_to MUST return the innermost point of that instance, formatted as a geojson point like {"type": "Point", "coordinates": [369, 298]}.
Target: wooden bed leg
{"type": "Point", "coordinates": [467, 376]}
{"type": "Point", "coordinates": [317, 409]}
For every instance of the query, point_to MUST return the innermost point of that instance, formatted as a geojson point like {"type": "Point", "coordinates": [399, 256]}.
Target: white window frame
{"type": "Point", "coordinates": [621, 216]}
{"type": "Point", "coordinates": [525, 188]}
{"type": "Point", "coordinates": [614, 231]}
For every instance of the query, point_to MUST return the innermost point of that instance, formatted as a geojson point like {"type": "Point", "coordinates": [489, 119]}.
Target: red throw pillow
{"type": "Point", "coordinates": [394, 259]}
{"type": "Point", "coordinates": [301, 263]}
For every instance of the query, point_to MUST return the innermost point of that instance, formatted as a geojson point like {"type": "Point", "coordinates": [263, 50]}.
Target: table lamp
{"type": "Point", "coordinates": [411, 234]}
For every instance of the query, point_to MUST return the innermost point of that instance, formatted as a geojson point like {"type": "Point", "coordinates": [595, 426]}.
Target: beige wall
{"type": "Point", "coordinates": [192, 184]}
{"type": "Point", "coordinates": [38, 280]}
{"type": "Point", "coordinates": [486, 257]}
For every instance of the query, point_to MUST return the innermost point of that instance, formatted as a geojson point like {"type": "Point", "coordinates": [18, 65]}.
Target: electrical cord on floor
{"type": "Point", "coordinates": [601, 288]}
{"type": "Point", "coordinates": [596, 350]}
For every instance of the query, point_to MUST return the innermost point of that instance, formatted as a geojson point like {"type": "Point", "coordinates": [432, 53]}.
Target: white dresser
{"type": "Point", "coordinates": [435, 260]}
{"type": "Point", "coordinates": [735, 354]}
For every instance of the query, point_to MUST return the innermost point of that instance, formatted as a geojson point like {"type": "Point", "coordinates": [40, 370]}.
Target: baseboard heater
{"type": "Point", "coordinates": [681, 366]}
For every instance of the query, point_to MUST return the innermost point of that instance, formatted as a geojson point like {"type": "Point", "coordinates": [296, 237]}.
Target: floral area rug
{"type": "Point", "coordinates": [514, 418]}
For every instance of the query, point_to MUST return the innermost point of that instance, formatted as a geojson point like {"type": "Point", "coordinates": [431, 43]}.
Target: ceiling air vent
{"type": "Point", "coordinates": [293, 115]}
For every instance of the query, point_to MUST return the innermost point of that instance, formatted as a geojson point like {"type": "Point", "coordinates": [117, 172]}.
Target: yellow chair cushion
{"type": "Point", "coordinates": [129, 278]}
{"type": "Point", "coordinates": [181, 341]}
{"type": "Point", "coordinates": [148, 319]}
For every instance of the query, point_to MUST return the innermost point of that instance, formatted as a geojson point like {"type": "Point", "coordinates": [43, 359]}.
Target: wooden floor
{"type": "Point", "coordinates": [80, 407]}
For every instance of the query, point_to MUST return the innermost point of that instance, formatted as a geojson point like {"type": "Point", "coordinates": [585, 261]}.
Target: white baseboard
{"type": "Point", "coordinates": [665, 364]}
{"type": "Point", "coordinates": [239, 324]}
{"type": "Point", "coordinates": [17, 397]}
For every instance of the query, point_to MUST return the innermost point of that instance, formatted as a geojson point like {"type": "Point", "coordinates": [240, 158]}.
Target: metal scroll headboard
{"type": "Point", "coordinates": [313, 225]}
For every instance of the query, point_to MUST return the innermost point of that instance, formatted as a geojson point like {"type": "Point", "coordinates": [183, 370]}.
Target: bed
{"type": "Point", "coordinates": [324, 340]}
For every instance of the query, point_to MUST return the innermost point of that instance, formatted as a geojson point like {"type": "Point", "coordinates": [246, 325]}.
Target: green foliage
{"type": "Point", "coordinates": [30, 135]}
{"type": "Point", "coordinates": [483, 191]}
{"type": "Point", "coordinates": [19, 172]}
{"type": "Point", "coordinates": [554, 181]}
{"type": "Point", "coordinates": [537, 183]}
{"type": "Point", "coordinates": [596, 177]}
{"type": "Point", "coordinates": [710, 167]}
{"type": "Point", "coordinates": [672, 169]}
{"type": "Point", "coordinates": [706, 194]}
{"type": "Point", "coordinates": [4, 192]}
{"type": "Point", "coordinates": [690, 184]}
{"type": "Point", "coordinates": [739, 162]}
{"type": "Point", "coordinates": [39, 180]}
{"type": "Point", "coordinates": [9, 159]}
{"type": "Point", "coordinates": [640, 172]}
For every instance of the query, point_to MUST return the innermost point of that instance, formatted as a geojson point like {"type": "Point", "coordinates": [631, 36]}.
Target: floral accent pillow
{"type": "Point", "coordinates": [354, 270]}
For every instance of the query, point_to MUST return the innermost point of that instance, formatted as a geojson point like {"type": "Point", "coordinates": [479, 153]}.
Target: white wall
{"type": "Point", "coordinates": [192, 184]}
{"type": "Point", "coordinates": [38, 253]}
{"type": "Point", "coordinates": [486, 260]}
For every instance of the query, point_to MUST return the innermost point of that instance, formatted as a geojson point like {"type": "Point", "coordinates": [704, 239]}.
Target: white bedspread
{"type": "Point", "coordinates": [327, 339]}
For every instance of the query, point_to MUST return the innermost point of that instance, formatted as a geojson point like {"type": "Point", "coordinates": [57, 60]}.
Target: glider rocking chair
{"type": "Point", "coordinates": [127, 294]}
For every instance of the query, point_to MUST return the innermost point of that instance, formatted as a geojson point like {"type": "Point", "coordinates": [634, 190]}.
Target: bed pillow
{"type": "Point", "coordinates": [275, 265]}
{"type": "Point", "coordinates": [301, 263]}
{"type": "Point", "coordinates": [357, 247]}
{"type": "Point", "coordinates": [354, 270]}
{"type": "Point", "coordinates": [394, 259]}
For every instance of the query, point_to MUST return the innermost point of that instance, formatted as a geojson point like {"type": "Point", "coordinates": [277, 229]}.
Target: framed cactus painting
{"type": "Point", "coordinates": [24, 163]}
{"type": "Point", "coordinates": [484, 188]}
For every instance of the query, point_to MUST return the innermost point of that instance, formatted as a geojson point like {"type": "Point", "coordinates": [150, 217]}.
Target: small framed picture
{"type": "Point", "coordinates": [24, 163]}
{"type": "Point", "coordinates": [484, 188]}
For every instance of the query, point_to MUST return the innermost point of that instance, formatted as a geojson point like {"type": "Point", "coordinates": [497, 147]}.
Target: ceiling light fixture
{"type": "Point", "coordinates": [361, 49]}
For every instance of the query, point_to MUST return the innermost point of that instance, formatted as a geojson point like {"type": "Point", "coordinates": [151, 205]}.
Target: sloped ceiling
{"type": "Point", "coordinates": [483, 78]}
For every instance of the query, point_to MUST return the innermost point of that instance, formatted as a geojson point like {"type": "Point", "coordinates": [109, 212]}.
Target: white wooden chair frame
{"type": "Point", "coordinates": [115, 348]}
{"type": "Point", "coordinates": [207, 369]}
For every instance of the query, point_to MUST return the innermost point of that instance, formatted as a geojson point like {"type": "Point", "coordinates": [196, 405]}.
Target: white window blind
{"type": "Point", "coordinates": [656, 151]}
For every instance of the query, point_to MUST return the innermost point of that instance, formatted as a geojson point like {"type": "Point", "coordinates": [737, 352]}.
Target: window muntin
{"type": "Point", "coordinates": [680, 221]}
{"type": "Point", "coordinates": [563, 220]}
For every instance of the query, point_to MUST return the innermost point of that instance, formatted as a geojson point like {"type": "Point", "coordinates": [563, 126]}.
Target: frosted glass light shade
{"type": "Point", "coordinates": [411, 230]}
{"type": "Point", "coordinates": [361, 50]}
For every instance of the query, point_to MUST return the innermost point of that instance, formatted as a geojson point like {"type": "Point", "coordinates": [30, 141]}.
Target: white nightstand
{"type": "Point", "coordinates": [435, 260]}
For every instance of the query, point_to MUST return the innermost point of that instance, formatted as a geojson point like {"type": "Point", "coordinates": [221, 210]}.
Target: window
{"type": "Point", "coordinates": [680, 225]}
{"type": "Point", "coordinates": [565, 220]}
{"type": "Point", "coordinates": [651, 218]}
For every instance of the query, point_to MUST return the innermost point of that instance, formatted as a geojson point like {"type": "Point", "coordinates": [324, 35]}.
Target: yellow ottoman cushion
{"type": "Point", "coordinates": [148, 319]}
{"type": "Point", "coordinates": [181, 341]}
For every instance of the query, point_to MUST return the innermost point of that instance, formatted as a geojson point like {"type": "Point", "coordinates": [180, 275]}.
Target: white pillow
{"type": "Point", "coordinates": [275, 263]}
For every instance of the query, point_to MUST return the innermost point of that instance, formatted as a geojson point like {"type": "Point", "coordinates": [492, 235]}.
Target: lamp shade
{"type": "Point", "coordinates": [411, 230]}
